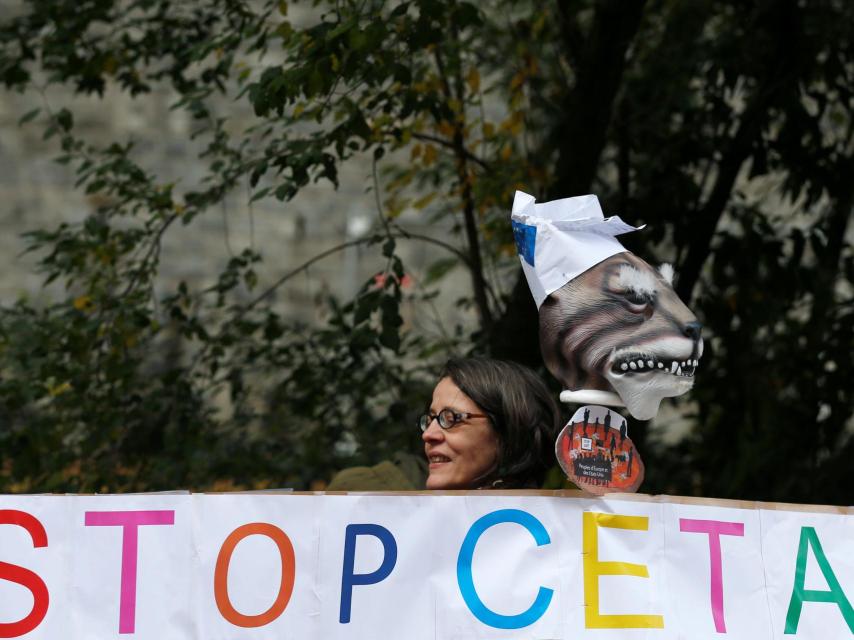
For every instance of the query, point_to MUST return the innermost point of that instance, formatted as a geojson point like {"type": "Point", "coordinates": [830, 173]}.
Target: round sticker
{"type": "Point", "coordinates": [596, 453]}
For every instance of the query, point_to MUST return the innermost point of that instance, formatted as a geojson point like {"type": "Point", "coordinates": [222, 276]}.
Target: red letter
{"type": "Point", "coordinates": [25, 577]}
{"type": "Point", "coordinates": [286, 552]}
{"type": "Point", "coordinates": [129, 521]}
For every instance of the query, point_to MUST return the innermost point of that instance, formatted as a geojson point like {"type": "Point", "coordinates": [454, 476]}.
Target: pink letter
{"type": "Point", "coordinates": [129, 521]}
{"type": "Point", "coordinates": [714, 529]}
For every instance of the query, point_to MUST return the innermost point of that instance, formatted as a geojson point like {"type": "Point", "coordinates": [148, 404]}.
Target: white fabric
{"type": "Point", "coordinates": [583, 563]}
{"type": "Point", "coordinates": [572, 235]}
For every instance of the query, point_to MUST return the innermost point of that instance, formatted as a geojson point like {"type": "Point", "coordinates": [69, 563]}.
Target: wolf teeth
{"type": "Point", "coordinates": [684, 368]}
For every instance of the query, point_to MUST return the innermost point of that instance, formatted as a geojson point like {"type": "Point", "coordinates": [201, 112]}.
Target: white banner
{"type": "Point", "coordinates": [421, 566]}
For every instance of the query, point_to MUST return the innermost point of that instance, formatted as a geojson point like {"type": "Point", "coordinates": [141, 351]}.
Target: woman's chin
{"type": "Point", "coordinates": [434, 483]}
{"type": "Point", "coordinates": [439, 480]}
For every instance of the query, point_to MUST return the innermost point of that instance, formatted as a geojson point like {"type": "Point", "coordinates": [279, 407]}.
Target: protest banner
{"type": "Point", "coordinates": [422, 565]}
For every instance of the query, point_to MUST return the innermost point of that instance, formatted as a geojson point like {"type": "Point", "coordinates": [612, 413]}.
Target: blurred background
{"type": "Point", "coordinates": [240, 238]}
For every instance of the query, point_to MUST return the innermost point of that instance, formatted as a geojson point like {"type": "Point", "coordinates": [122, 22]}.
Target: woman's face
{"type": "Point", "coordinates": [461, 456]}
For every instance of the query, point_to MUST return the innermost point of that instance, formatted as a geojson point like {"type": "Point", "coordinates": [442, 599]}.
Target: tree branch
{"type": "Point", "coordinates": [450, 144]}
{"type": "Point", "coordinates": [452, 249]}
{"type": "Point", "coordinates": [841, 191]}
{"type": "Point", "coordinates": [589, 104]}
{"type": "Point", "coordinates": [305, 265]}
{"type": "Point", "coordinates": [469, 216]}
{"type": "Point", "coordinates": [782, 78]}
{"type": "Point", "coordinates": [580, 137]}
{"type": "Point", "coordinates": [571, 36]}
{"type": "Point", "coordinates": [397, 233]}
{"type": "Point", "coordinates": [706, 219]}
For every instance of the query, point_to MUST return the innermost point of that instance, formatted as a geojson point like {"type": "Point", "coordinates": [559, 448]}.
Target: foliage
{"type": "Point", "coordinates": [725, 126]}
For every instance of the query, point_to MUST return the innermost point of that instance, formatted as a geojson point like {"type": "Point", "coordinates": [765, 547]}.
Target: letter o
{"type": "Point", "coordinates": [286, 551]}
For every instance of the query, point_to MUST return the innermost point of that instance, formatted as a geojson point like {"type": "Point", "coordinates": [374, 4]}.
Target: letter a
{"type": "Point", "coordinates": [801, 594]}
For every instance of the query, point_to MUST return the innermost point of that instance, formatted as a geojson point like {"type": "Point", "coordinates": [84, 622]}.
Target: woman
{"type": "Point", "coordinates": [490, 424]}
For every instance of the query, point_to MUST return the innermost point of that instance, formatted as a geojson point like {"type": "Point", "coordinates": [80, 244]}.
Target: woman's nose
{"type": "Point", "coordinates": [433, 431]}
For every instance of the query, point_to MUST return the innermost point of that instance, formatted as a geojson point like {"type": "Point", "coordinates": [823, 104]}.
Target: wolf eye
{"type": "Point", "coordinates": [636, 297]}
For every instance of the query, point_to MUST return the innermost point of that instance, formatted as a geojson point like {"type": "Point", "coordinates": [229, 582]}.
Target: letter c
{"type": "Point", "coordinates": [466, 581]}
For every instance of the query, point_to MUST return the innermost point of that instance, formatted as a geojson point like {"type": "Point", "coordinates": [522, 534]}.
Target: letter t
{"type": "Point", "coordinates": [714, 529]}
{"type": "Point", "coordinates": [129, 521]}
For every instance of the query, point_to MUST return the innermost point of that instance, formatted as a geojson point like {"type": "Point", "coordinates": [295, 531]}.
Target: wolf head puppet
{"type": "Point", "coordinates": [608, 320]}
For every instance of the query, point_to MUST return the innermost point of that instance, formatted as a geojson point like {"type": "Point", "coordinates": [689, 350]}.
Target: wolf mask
{"type": "Point", "coordinates": [608, 320]}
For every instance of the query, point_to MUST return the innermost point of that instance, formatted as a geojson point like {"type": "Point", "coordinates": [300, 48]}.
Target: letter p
{"type": "Point", "coordinates": [348, 578]}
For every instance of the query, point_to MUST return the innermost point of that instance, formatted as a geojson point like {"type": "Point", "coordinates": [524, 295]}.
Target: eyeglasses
{"type": "Point", "coordinates": [447, 418]}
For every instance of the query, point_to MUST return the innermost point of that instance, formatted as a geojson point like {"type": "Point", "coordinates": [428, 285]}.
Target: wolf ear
{"type": "Point", "coordinates": [666, 271]}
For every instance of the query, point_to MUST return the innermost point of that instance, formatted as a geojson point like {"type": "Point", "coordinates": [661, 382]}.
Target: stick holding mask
{"type": "Point", "coordinates": [612, 329]}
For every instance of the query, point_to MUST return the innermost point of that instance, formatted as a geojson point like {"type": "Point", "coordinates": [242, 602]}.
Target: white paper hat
{"type": "Point", "coordinates": [559, 240]}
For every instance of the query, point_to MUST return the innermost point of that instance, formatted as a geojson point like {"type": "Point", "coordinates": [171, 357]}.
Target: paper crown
{"type": "Point", "coordinates": [559, 240]}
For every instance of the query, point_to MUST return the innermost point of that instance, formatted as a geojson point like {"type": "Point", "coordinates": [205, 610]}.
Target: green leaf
{"type": "Point", "coordinates": [388, 247]}
{"type": "Point", "coordinates": [439, 269]}
{"type": "Point", "coordinates": [29, 115]}
{"type": "Point", "coordinates": [65, 119]}
{"type": "Point", "coordinates": [390, 322]}
{"type": "Point", "coordinates": [365, 306]}
{"type": "Point", "coordinates": [399, 10]}
{"type": "Point", "coordinates": [467, 15]}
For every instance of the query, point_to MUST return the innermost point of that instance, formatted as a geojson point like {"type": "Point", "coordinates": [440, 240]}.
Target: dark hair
{"type": "Point", "coordinates": [521, 411]}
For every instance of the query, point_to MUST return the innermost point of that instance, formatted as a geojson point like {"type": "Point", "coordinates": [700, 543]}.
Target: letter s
{"type": "Point", "coordinates": [25, 577]}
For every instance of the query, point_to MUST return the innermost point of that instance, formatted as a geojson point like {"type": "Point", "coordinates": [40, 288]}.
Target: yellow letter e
{"type": "Point", "coordinates": [593, 568]}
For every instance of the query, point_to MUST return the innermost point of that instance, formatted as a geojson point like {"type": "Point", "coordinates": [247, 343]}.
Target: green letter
{"type": "Point", "coordinates": [799, 594]}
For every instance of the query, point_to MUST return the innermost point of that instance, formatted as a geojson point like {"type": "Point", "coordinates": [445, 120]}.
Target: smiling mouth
{"type": "Point", "coordinates": [437, 459]}
{"type": "Point", "coordinates": [634, 363]}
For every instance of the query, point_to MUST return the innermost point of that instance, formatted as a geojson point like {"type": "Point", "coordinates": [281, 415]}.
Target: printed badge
{"type": "Point", "coordinates": [525, 236]}
{"type": "Point", "coordinates": [596, 453]}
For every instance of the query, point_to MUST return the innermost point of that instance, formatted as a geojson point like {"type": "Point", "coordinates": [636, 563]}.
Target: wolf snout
{"type": "Point", "coordinates": [693, 330]}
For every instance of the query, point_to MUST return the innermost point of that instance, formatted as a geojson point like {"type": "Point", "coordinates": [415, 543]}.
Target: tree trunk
{"type": "Point", "coordinates": [587, 110]}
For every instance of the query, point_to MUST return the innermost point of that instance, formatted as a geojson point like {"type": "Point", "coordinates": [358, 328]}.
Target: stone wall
{"type": "Point", "coordinates": [39, 193]}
